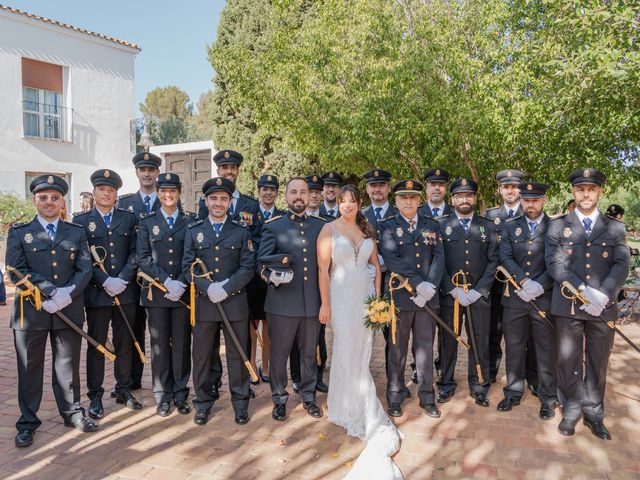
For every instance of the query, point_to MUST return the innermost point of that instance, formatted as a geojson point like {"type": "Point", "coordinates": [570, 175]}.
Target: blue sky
{"type": "Point", "coordinates": [173, 35]}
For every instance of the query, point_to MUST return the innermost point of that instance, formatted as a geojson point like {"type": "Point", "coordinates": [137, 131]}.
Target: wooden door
{"type": "Point", "coordinates": [194, 169]}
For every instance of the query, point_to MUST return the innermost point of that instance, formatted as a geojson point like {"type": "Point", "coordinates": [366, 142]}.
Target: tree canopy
{"type": "Point", "coordinates": [473, 86]}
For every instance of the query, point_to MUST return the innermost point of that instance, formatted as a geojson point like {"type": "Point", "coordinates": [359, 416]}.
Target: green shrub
{"type": "Point", "coordinates": [14, 209]}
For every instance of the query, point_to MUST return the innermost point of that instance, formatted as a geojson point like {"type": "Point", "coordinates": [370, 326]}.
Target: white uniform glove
{"type": "Point", "coordinates": [419, 300]}
{"type": "Point", "coordinates": [460, 294]}
{"type": "Point", "coordinates": [473, 296]}
{"type": "Point", "coordinates": [524, 296]}
{"type": "Point", "coordinates": [592, 309]}
{"type": "Point", "coordinates": [61, 298]}
{"type": "Point", "coordinates": [533, 289]}
{"type": "Point", "coordinates": [216, 293]}
{"type": "Point", "coordinates": [596, 297]}
{"type": "Point", "coordinates": [278, 278]}
{"type": "Point", "coordinates": [175, 289]}
{"type": "Point", "coordinates": [50, 306]}
{"type": "Point", "coordinates": [68, 290]}
{"type": "Point", "coordinates": [426, 289]}
{"type": "Point", "coordinates": [114, 286]}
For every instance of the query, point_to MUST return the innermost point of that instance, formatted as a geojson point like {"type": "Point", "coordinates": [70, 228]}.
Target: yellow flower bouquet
{"type": "Point", "coordinates": [378, 312]}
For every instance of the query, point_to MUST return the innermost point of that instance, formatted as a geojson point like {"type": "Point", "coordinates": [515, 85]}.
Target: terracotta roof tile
{"type": "Point", "coordinates": [70, 27]}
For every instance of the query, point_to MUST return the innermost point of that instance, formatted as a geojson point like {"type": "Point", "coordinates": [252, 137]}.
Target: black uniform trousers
{"type": "Point", "coordinates": [139, 327]}
{"type": "Point", "coordinates": [521, 326]}
{"type": "Point", "coordinates": [30, 348]}
{"type": "Point", "coordinates": [321, 354]}
{"type": "Point", "coordinates": [204, 336]}
{"type": "Point", "coordinates": [170, 335]}
{"type": "Point", "coordinates": [495, 339]}
{"type": "Point", "coordinates": [481, 317]}
{"type": "Point", "coordinates": [283, 332]}
{"type": "Point", "coordinates": [98, 328]}
{"type": "Point", "coordinates": [423, 328]}
{"type": "Point", "coordinates": [215, 370]}
{"type": "Point", "coordinates": [581, 385]}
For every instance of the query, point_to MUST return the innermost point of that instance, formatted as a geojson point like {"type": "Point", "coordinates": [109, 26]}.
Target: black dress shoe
{"type": "Point", "coordinates": [201, 417]}
{"type": "Point", "coordinates": [312, 409]}
{"type": "Point", "coordinates": [598, 429]}
{"type": "Point", "coordinates": [507, 403]}
{"type": "Point", "coordinates": [414, 376]}
{"type": "Point", "coordinates": [84, 424]}
{"type": "Point", "coordinates": [533, 389]}
{"type": "Point", "coordinates": [279, 412]}
{"type": "Point", "coordinates": [407, 393]}
{"type": "Point", "coordinates": [480, 398]}
{"type": "Point", "coordinates": [129, 401]}
{"type": "Point", "coordinates": [432, 410]}
{"type": "Point", "coordinates": [242, 416]}
{"type": "Point", "coordinates": [164, 409]}
{"type": "Point", "coordinates": [251, 382]}
{"type": "Point", "coordinates": [264, 378]}
{"type": "Point", "coordinates": [96, 409]}
{"type": "Point", "coordinates": [395, 410]}
{"type": "Point", "coordinates": [252, 394]}
{"type": "Point", "coordinates": [296, 387]}
{"type": "Point", "coordinates": [444, 396]}
{"type": "Point", "coordinates": [215, 392]}
{"type": "Point", "coordinates": [547, 411]}
{"type": "Point", "coordinates": [24, 438]}
{"type": "Point", "coordinates": [567, 427]}
{"type": "Point", "coordinates": [493, 380]}
{"type": "Point", "coordinates": [321, 387]}
{"type": "Point", "coordinates": [183, 407]}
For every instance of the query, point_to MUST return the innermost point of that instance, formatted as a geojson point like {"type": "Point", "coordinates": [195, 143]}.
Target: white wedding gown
{"type": "Point", "coordinates": [352, 400]}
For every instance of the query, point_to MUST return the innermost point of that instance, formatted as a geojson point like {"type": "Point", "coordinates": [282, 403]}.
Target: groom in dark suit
{"type": "Point", "coordinates": [293, 297]}
{"type": "Point", "coordinates": [411, 246]}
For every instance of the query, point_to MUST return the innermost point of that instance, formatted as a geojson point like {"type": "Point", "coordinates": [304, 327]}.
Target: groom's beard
{"type": "Point", "coordinates": [298, 207]}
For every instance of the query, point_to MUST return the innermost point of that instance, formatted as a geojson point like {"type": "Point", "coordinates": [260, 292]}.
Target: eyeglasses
{"type": "Point", "coordinates": [49, 198]}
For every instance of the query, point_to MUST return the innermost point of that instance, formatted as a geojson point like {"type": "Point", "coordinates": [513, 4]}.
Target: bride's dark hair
{"type": "Point", "coordinates": [362, 222]}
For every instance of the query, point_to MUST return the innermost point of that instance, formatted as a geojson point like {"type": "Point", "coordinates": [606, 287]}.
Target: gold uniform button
{"type": "Point", "coordinates": [588, 265]}
{"type": "Point", "coordinates": [301, 232]}
{"type": "Point", "coordinates": [528, 263]}
{"type": "Point", "coordinates": [170, 262]}
{"type": "Point", "coordinates": [305, 269]}
{"type": "Point", "coordinates": [217, 247]}
{"type": "Point", "coordinates": [416, 244]}
{"type": "Point", "coordinates": [417, 254]}
{"type": "Point", "coordinates": [466, 262]}
{"type": "Point", "coordinates": [113, 256]}
{"type": "Point", "coordinates": [304, 241]}
{"type": "Point", "coordinates": [111, 244]}
{"type": "Point", "coordinates": [588, 277]}
{"type": "Point", "coordinates": [587, 254]}
{"type": "Point", "coordinates": [304, 250]}
{"type": "Point", "coordinates": [305, 259]}
{"type": "Point", "coordinates": [529, 252]}
{"type": "Point", "coordinates": [216, 259]}
{"type": "Point", "coordinates": [466, 241]}
{"type": "Point", "coordinates": [466, 251]}
{"type": "Point", "coordinates": [55, 276]}
{"type": "Point", "coordinates": [417, 265]}
{"type": "Point", "coordinates": [530, 242]}
{"type": "Point", "coordinates": [171, 250]}
{"type": "Point", "coordinates": [588, 244]}
{"type": "Point", "coordinates": [526, 273]}
{"type": "Point", "coordinates": [171, 239]}
{"type": "Point", "coordinates": [53, 252]}
{"type": "Point", "coordinates": [112, 267]}
{"type": "Point", "coordinates": [305, 278]}
{"type": "Point", "coordinates": [55, 264]}
{"type": "Point", "coordinates": [217, 270]}
{"type": "Point", "coordinates": [110, 232]}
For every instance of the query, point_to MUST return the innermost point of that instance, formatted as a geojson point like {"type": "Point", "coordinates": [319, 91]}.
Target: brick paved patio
{"type": "Point", "coordinates": [467, 442]}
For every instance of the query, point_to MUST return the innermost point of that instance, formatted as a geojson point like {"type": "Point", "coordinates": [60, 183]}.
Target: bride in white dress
{"type": "Point", "coordinates": [347, 258]}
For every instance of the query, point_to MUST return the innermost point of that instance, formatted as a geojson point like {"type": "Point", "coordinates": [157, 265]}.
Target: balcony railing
{"type": "Point", "coordinates": [50, 122]}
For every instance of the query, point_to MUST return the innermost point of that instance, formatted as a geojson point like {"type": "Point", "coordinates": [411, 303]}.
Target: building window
{"type": "Point", "coordinates": [44, 116]}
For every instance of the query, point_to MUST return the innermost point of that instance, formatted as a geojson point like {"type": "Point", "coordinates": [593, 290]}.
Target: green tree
{"type": "Point", "coordinates": [163, 103]}
{"type": "Point", "coordinates": [228, 113]}
{"type": "Point", "coordinates": [473, 86]}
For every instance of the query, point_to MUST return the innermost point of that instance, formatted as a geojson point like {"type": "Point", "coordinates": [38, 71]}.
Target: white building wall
{"type": "Point", "coordinates": [98, 84]}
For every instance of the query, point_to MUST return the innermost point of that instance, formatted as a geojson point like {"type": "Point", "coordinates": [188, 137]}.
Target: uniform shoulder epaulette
{"type": "Point", "coordinates": [559, 216]}
{"type": "Point", "coordinates": [386, 219]}
{"type": "Point", "coordinates": [239, 223]}
{"type": "Point", "coordinates": [318, 217]}
{"type": "Point", "coordinates": [512, 219]}
{"type": "Point", "coordinates": [491, 209]}
{"type": "Point", "coordinates": [126, 195]}
{"type": "Point", "coordinates": [196, 223]}
{"type": "Point", "coordinates": [147, 214]}
{"type": "Point", "coordinates": [273, 218]}
{"type": "Point", "coordinates": [124, 210]}
{"type": "Point", "coordinates": [19, 224]}
{"type": "Point", "coordinates": [73, 224]}
{"type": "Point", "coordinates": [444, 217]}
{"type": "Point", "coordinates": [80, 214]}
{"type": "Point", "coordinates": [482, 217]}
